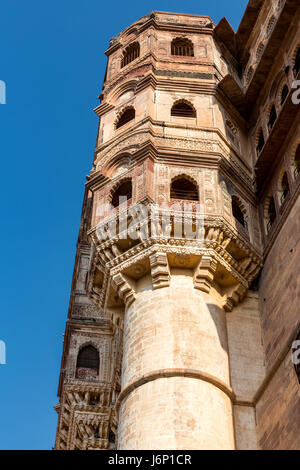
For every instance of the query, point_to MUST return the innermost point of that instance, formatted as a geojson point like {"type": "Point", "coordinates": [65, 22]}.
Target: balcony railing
{"type": "Point", "coordinates": [185, 205]}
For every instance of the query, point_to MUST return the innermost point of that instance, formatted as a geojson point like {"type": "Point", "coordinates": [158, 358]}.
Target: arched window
{"type": "Point", "coordinates": [272, 117]}
{"type": "Point", "coordinates": [131, 53]}
{"type": "Point", "coordinates": [183, 109]}
{"type": "Point", "coordinates": [284, 187]}
{"type": "Point", "coordinates": [297, 161]}
{"type": "Point", "coordinates": [184, 189]}
{"type": "Point", "coordinates": [297, 63]}
{"type": "Point", "coordinates": [284, 93]}
{"type": "Point", "coordinates": [182, 47]}
{"type": "Point", "coordinates": [237, 211]}
{"type": "Point", "coordinates": [270, 213]}
{"type": "Point", "coordinates": [127, 116]}
{"type": "Point", "coordinates": [87, 362]}
{"type": "Point", "coordinates": [124, 191]}
{"type": "Point", "coordinates": [260, 142]}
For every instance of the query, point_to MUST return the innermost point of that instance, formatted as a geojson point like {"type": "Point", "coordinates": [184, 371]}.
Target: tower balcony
{"type": "Point", "coordinates": [126, 244]}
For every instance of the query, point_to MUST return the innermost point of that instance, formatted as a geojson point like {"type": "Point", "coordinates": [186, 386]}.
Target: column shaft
{"type": "Point", "coordinates": [175, 375]}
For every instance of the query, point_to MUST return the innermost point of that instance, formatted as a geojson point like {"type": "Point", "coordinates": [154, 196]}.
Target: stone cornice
{"type": "Point", "coordinates": [159, 79]}
{"type": "Point", "coordinates": [134, 71]}
{"type": "Point", "coordinates": [201, 149]}
{"type": "Point", "coordinates": [75, 385]}
{"type": "Point", "coordinates": [103, 109]}
{"type": "Point", "coordinates": [163, 25]}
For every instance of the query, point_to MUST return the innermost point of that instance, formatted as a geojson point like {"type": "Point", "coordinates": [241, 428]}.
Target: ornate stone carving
{"type": "Point", "coordinates": [86, 311]}
{"type": "Point", "coordinates": [122, 144]}
{"type": "Point", "coordinates": [212, 248]}
{"type": "Point", "coordinates": [84, 416]}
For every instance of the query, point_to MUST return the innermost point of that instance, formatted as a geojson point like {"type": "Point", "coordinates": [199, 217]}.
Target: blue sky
{"type": "Point", "coordinates": [53, 64]}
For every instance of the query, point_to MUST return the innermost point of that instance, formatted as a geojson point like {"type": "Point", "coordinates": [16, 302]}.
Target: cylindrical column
{"type": "Point", "coordinates": [175, 376]}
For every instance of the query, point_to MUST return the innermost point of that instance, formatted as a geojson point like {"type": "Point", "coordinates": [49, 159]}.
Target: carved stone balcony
{"type": "Point", "coordinates": [85, 408]}
{"type": "Point", "coordinates": [163, 238]}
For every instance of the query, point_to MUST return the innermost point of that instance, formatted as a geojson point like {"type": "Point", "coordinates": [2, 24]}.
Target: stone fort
{"type": "Point", "coordinates": [184, 314]}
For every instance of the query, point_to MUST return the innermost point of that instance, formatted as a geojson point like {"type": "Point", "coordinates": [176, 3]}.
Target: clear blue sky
{"type": "Point", "coordinates": [53, 63]}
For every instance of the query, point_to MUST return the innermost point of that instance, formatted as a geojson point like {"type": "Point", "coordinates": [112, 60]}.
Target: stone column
{"type": "Point", "coordinates": [175, 377]}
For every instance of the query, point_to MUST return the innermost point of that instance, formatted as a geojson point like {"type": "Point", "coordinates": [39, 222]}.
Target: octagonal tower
{"type": "Point", "coordinates": [173, 240]}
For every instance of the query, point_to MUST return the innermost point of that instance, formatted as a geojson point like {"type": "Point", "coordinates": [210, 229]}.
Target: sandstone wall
{"type": "Point", "coordinates": [278, 410]}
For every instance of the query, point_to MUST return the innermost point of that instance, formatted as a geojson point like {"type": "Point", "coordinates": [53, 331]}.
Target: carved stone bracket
{"type": "Point", "coordinates": [159, 270]}
{"type": "Point", "coordinates": [124, 289]}
{"type": "Point", "coordinates": [234, 297]}
{"type": "Point", "coordinates": [204, 274]}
